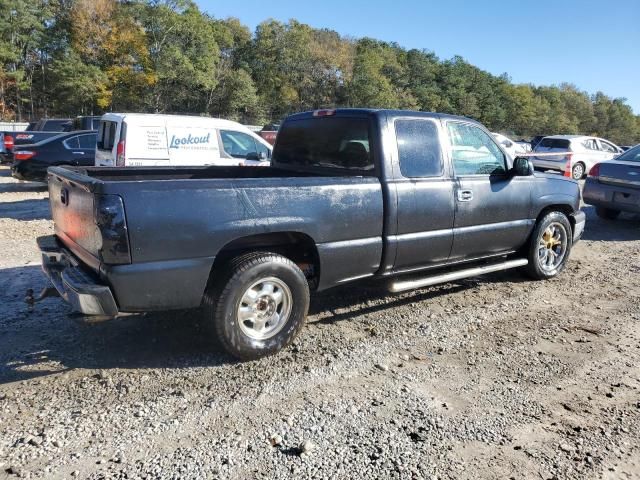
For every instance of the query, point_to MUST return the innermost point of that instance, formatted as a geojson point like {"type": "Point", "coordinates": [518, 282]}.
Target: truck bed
{"type": "Point", "coordinates": [179, 219]}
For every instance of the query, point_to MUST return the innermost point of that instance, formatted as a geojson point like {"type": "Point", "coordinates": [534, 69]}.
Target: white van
{"type": "Point", "coordinates": [149, 140]}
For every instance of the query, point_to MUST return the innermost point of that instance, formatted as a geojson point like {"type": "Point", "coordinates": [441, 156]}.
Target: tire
{"type": "Point", "coordinates": [553, 227]}
{"type": "Point", "coordinates": [578, 171]}
{"type": "Point", "coordinates": [258, 305]}
{"type": "Point", "coordinates": [607, 213]}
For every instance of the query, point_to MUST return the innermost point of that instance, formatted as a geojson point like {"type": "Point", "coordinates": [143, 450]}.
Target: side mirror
{"type": "Point", "coordinates": [522, 167]}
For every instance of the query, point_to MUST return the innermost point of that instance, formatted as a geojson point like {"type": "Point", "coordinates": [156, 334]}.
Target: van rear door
{"type": "Point", "coordinates": [106, 143]}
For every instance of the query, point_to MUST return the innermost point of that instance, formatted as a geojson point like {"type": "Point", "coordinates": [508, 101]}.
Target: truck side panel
{"type": "Point", "coordinates": [175, 220]}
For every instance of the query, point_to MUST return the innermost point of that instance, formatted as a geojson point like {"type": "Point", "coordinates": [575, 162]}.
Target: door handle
{"type": "Point", "coordinates": [465, 195]}
{"type": "Point", "coordinates": [78, 153]}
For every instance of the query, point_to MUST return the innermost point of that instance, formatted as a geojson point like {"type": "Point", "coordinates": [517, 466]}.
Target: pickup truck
{"type": "Point", "coordinates": [411, 198]}
{"type": "Point", "coordinates": [42, 130]}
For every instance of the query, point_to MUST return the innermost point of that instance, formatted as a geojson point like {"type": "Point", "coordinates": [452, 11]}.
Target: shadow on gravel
{"type": "Point", "coordinates": [47, 339]}
{"type": "Point", "coordinates": [624, 228]}
{"type": "Point", "coordinates": [347, 296]}
{"type": "Point", "coordinates": [26, 209]}
{"type": "Point", "coordinates": [17, 186]}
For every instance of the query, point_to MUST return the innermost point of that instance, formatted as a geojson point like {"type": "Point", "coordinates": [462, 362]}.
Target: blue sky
{"type": "Point", "coordinates": [594, 45]}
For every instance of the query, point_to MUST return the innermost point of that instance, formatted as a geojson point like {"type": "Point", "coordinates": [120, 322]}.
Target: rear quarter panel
{"type": "Point", "coordinates": [186, 219]}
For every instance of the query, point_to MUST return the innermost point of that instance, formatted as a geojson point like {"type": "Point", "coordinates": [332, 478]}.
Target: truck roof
{"type": "Point", "coordinates": [382, 111]}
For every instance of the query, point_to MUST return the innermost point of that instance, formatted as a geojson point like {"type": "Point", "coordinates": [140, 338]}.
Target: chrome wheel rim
{"type": "Point", "coordinates": [264, 308]}
{"type": "Point", "coordinates": [578, 171]}
{"type": "Point", "coordinates": [552, 246]}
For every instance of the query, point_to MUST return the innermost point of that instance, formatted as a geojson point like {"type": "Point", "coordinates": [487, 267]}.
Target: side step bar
{"type": "Point", "coordinates": [402, 286]}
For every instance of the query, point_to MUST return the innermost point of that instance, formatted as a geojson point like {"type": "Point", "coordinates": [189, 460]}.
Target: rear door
{"type": "Point", "coordinates": [87, 145]}
{"type": "Point", "coordinates": [424, 189]}
{"type": "Point", "coordinates": [106, 145]}
{"type": "Point", "coordinates": [492, 207]}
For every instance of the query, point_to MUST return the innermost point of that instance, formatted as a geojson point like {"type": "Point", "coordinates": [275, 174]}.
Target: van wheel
{"type": "Point", "coordinates": [258, 304]}
{"type": "Point", "coordinates": [607, 213]}
{"type": "Point", "coordinates": [550, 246]}
{"type": "Point", "coordinates": [577, 172]}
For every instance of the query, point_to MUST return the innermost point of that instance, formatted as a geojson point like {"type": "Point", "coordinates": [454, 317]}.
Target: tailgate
{"type": "Point", "coordinates": [72, 209]}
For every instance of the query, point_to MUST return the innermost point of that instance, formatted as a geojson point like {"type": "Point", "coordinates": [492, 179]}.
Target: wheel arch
{"type": "Point", "coordinates": [298, 247]}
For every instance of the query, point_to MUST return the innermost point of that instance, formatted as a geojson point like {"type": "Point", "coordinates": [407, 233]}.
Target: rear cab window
{"type": "Point", "coordinates": [331, 142]}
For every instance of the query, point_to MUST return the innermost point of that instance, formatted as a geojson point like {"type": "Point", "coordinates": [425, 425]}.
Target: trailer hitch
{"type": "Point", "coordinates": [29, 299]}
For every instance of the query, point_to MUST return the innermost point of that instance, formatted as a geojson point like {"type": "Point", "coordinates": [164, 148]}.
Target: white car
{"type": "Point", "coordinates": [577, 154]}
{"type": "Point", "coordinates": [149, 140]}
{"type": "Point", "coordinates": [512, 148]}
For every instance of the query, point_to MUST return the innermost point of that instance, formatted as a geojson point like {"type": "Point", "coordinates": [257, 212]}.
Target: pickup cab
{"type": "Point", "coordinates": [410, 198]}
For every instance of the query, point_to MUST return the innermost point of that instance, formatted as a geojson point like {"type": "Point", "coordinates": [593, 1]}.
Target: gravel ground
{"type": "Point", "coordinates": [493, 377]}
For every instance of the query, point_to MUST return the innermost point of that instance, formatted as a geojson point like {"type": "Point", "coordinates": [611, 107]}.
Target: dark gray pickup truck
{"type": "Point", "coordinates": [419, 198]}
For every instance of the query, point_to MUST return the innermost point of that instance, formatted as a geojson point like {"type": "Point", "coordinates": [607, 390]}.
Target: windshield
{"type": "Point", "coordinates": [331, 142]}
{"type": "Point", "coordinates": [631, 155]}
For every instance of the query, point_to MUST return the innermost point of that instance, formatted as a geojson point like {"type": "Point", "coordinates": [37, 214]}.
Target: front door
{"type": "Point", "coordinates": [492, 207]}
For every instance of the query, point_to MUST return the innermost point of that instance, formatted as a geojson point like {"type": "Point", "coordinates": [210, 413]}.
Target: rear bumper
{"type": "Point", "coordinates": [579, 222]}
{"type": "Point", "coordinates": [614, 197]}
{"type": "Point", "coordinates": [81, 289]}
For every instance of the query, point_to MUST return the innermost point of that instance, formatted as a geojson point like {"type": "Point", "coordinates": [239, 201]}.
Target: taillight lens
{"type": "Point", "coordinates": [111, 222]}
{"type": "Point", "coordinates": [120, 154]}
{"type": "Point", "coordinates": [595, 170]}
{"type": "Point", "coordinates": [8, 142]}
{"type": "Point", "coordinates": [23, 155]}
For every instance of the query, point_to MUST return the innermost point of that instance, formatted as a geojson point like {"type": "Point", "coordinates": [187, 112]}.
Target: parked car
{"type": "Point", "coordinates": [613, 186]}
{"type": "Point", "coordinates": [536, 140]}
{"type": "Point", "coordinates": [351, 194]}
{"type": "Point", "coordinates": [84, 123]}
{"type": "Point", "coordinates": [512, 148]}
{"type": "Point", "coordinates": [52, 125]}
{"type": "Point", "coordinates": [576, 153]}
{"type": "Point", "coordinates": [30, 162]}
{"type": "Point", "coordinates": [270, 132]}
{"type": "Point", "coordinates": [134, 139]}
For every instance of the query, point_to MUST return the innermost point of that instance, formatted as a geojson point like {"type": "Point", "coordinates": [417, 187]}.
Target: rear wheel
{"type": "Point", "coordinates": [577, 171]}
{"type": "Point", "coordinates": [550, 246]}
{"type": "Point", "coordinates": [258, 305]}
{"type": "Point", "coordinates": [607, 213]}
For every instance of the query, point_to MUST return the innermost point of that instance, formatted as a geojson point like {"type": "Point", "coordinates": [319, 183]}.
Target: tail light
{"type": "Point", "coordinates": [23, 155]}
{"type": "Point", "coordinates": [120, 154]}
{"type": "Point", "coordinates": [8, 142]}
{"type": "Point", "coordinates": [111, 222]}
{"type": "Point", "coordinates": [567, 166]}
{"type": "Point", "coordinates": [595, 171]}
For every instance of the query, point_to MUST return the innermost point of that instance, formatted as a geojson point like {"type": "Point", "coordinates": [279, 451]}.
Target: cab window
{"type": "Point", "coordinates": [473, 151]}
{"type": "Point", "coordinates": [238, 144]}
{"type": "Point", "coordinates": [418, 148]}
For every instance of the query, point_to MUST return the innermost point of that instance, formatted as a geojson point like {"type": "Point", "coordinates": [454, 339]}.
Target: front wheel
{"type": "Point", "coordinates": [258, 304]}
{"type": "Point", "coordinates": [550, 246]}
